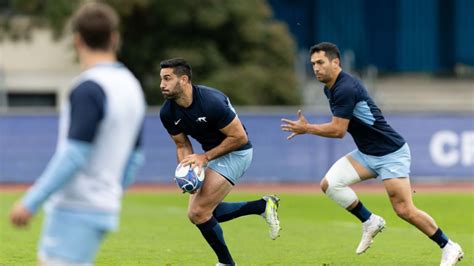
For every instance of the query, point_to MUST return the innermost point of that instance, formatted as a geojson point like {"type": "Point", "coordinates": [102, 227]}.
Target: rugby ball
{"type": "Point", "coordinates": [187, 178]}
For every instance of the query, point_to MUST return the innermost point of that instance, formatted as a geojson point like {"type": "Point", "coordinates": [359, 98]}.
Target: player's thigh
{"type": "Point", "coordinates": [399, 191]}
{"type": "Point", "coordinates": [362, 166]}
{"type": "Point", "coordinates": [344, 172]}
{"type": "Point", "coordinates": [69, 240]}
{"type": "Point", "coordinates": [214, 189]}
{"type": "Point", "coordinates": [221, 175]}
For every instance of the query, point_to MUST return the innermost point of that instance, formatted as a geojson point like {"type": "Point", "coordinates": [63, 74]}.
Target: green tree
{"type": "Point", "coordinates": [234, 46]}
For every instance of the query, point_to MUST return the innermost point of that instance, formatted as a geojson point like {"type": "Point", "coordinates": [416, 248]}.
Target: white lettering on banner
{"type": "Point", "coordinates": [448, 148]}
{"type": "Point", "coordinates": [467, 148]}
{"type": "Point", "coordinates": [443, 148]}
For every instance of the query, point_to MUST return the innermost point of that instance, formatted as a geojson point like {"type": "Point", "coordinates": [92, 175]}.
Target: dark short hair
{"type": "Point", "coordinates": [330, 50]}
{"type": "Point", "coordinates": [179, 65]}
{"type": "Point", "coordinates": [95, 22]}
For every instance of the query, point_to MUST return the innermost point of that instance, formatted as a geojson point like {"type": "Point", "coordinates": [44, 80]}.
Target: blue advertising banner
{"type": "Point", "coordinates": [442, 147]}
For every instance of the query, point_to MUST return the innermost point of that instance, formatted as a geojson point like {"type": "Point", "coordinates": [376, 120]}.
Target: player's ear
{"type": "Point", "coordinates": [336, 62]}
{"type": "Point", "coordinates": [78, 42]}
{"type": "Point", "coordinates": [184, 79]}
{"type": "Point", "coordinates": [115, 41]}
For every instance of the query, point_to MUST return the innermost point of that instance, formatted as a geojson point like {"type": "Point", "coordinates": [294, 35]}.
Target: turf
{"type": "Point", "coordinates": [155, 231]}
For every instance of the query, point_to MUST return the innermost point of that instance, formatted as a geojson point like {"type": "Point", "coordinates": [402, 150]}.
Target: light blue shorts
{"type": "Point", "coordinates": [392, 165]}
{"type": "Point", "coordinates": [71, 237]}
{"type": "Point", "coordinates": [233, 165]}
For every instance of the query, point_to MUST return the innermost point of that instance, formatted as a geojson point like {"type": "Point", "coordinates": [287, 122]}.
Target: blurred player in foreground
{"type": "Point", "coordinates": [207, 115]}
{"type": "Point", "coordinates": [381, 152]}
{"type": "Point", "coordinates": [98, 148]}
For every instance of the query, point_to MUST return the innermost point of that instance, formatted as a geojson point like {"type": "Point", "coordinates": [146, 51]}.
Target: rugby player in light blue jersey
{"type": "Point", "coordinates": [381, 151]}
{"type": "Point", "coordinates": [98, 151]}
{"type": "Point", "coordinates": [207, 115]}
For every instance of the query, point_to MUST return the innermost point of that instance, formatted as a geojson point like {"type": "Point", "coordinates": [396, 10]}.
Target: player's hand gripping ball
{"type": "Point", "coordinates": [188, 179]}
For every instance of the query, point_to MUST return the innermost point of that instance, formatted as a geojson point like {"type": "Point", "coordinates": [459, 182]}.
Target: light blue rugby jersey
{"type": "Point", "coordinates": [97, 154]}
{"type": "Point", "coordinates": [106, 109]}
{"type": "Point", "coordinates": [349, 99]}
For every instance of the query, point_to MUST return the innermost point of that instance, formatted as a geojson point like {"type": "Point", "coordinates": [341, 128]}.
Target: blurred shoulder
{"type": "Point", "coordinates": [348, 84]}
{"type": "Point", "coordinates": [210, 93]}
{"type": "Point", "coordinates": [347, 79]}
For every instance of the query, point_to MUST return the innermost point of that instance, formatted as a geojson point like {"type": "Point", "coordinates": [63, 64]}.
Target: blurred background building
{"type": "Point", "coordinates": [36, 73]}
{"type": "Point", "coordinates": [432, 36]}
{"type": "Point", "coordinates": [415, 57]}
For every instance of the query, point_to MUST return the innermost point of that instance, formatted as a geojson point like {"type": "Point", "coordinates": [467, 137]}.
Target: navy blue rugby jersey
{"type": "Point", "coordinates": [349, 99]}
{"type": "Point", "coordinates": [210, 111]}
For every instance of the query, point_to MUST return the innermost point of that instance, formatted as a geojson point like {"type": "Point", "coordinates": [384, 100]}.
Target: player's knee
{"type": "Point", "coordinates": [194, 216]}
{"type": "Point", "coordinates": [337, 181]}
{"type": "Point", "coordinates": [405, 212]}
{"type": "Point", "coordinates": [324, 185]}
{"type": "Point", "coordinates": [344, 196]}
{"type": "Point", "coordinates": [339, 191]}
{"type": "Point", "coordinates": [198, 215]}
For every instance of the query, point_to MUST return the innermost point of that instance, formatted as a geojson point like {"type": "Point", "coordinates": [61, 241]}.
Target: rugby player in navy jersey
{"type": "Point", "coordinates": [98, 152]}
{"type": "Point", "coordinates": [207, 115]}
{"type": "Point", "coordinates": [381, 151]}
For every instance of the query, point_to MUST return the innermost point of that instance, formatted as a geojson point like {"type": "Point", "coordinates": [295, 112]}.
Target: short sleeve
{"type": "Point", "coordinates": [87, 102]}
{"type": "Point", "coordinates": [222, 112]}
{"type": "Point", "coordinates": [344, 101]}
{"type": "Point", "coordinates": [167, 121]}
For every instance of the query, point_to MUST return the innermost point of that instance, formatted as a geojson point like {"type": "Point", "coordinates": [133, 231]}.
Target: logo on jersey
{"type": "Point", "coordinates": [177, 122]}
{"type": "Point", "coordinates": [201, 119]}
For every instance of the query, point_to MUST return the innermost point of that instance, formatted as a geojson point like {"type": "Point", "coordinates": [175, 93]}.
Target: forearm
{"type": "Point", "coordinates": [183, 151]}
{"type": "Point", "coordinates": [137, 159]}
{"type": "Point", "coordinates": [62, 167]}
{"type": "Point", "coordinates": [228, 145]}
{"type": "Point", "coordinates": [328, 130]}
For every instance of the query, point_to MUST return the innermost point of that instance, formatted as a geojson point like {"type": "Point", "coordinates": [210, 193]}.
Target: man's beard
{"type": "Point", "coordinates": [324, 79]}
{"type": "Point", "coordinates": [177, 91]}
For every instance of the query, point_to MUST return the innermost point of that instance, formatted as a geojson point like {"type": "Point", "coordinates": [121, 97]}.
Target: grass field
{"type": "Point", "coordinates": [155, 231]}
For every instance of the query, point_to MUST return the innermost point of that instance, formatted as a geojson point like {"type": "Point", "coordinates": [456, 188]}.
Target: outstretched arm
{"type": "Point", "coordinates": [337, 128]}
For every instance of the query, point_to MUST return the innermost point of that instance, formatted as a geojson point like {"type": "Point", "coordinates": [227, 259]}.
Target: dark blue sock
{"type": "Point", "coordinates": [212, 232]}
{"type": "Point", "coordinates": [226, 211]}
{"type": "Point", "coordinates": [361, 212]}
{"type": "Point", "coordinates": [440, 238]}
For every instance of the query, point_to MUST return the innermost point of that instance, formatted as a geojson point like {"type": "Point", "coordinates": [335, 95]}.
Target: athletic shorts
{"type": "Point", "coordinates": [233, 165]}
{"type": "Point", "coordinates": [392, 165]}
{"type": "Point", "coordinates": [71, 238]}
